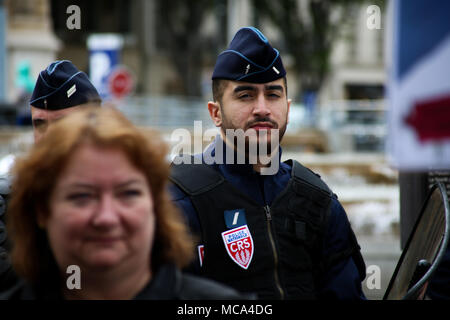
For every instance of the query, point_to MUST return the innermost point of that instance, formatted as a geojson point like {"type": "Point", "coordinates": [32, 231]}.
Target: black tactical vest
{"type": "Point", "coordinates": [287, 237]}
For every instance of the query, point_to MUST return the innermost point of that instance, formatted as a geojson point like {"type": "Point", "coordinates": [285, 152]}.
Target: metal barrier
{"type": "Point", "coordinates": [424, 250]}
{"type": "Point", "coordinates": [165, 112]}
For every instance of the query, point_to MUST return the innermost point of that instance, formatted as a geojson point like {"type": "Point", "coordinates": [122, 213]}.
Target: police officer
{"type": "Point", "coordinates": [283, 233]}
{"type": "Point", "coordinates": [60, 89]}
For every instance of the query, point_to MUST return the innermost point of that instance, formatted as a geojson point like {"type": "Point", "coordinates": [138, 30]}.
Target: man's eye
{"type": "Point", "coordinates": [244, 96]}
{"type": "Point", "coordinates": [39, 124]}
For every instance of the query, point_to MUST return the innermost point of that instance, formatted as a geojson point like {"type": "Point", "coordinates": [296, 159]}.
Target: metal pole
{"type": "Point", "coordinates": [413, 192]}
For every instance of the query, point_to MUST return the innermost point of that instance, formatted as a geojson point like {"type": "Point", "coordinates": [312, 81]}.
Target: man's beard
{"type": "Point", "coordinates": [256, 142]}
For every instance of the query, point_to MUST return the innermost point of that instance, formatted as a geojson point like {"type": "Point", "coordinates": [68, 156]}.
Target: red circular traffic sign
{"type": "Point", "coordinates": [121, 82]}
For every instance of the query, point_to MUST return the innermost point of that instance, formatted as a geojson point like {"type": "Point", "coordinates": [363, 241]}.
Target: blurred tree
{"type": "Point", "coordinates": [309, 28]}
{"type": "Point", "coordinates": [179, 26]}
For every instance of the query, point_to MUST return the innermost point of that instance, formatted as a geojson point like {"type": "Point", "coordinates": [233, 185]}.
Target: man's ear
{"type": "Point", "coordinates": [215, 113]}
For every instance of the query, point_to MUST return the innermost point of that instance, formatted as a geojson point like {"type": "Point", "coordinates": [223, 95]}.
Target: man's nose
{"type": "Point", "coordinates": [107, 214]}
{"type": "Point", "coordinates": [261, 108]}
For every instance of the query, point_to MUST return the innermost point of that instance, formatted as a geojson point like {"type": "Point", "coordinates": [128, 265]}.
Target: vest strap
{"type": "Point", "coordinates": [306, 175]}
{"type": "Point", "coordinates": [195, 179]}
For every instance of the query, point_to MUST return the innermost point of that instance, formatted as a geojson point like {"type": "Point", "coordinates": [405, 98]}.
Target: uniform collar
{"type": "Point", "coordinates": [235, 167]}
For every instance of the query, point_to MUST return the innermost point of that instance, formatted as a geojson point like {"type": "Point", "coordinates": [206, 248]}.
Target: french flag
{"type": "Point", "coordinates": [419, 88]}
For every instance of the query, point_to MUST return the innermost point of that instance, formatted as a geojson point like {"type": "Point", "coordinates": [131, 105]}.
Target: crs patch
{"type": "Point", "coordinates": [239, 245]}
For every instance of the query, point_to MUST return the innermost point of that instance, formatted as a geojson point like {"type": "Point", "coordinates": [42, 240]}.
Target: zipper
{"type": "Point", "coordinates": [274, 251]}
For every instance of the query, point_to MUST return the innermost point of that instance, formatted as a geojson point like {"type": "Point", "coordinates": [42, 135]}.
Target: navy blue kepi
{"type": "Point", "coordinates": [61, 86]}
{"type": "Point", "coordinates": [249, 58]}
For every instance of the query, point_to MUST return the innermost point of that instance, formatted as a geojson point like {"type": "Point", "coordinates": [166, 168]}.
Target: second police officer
{"type": "Point", "coordinates": [59, 90]}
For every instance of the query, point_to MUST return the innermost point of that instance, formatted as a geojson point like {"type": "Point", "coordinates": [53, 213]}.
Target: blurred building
{"type": "Point", "coordinates": [351, 100]}
{"type": "Point", "coordinates": [37, 31]}
{"type": "Point", "coordinates": [357, 61]}
{"type": "Point", "coordinates": [145, 51]}
{"type": "Point", "coordinates": [29, 38]}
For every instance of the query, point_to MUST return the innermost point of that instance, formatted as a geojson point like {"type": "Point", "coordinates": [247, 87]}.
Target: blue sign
{"type": "Point", "coordinates": [104, 56]}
